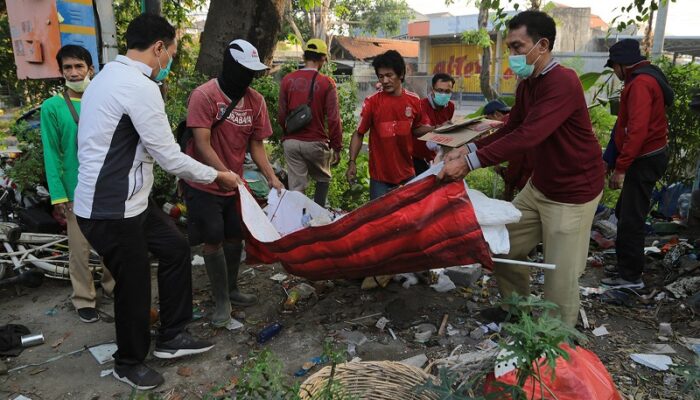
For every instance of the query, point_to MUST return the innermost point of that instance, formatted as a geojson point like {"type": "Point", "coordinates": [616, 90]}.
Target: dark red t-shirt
{"type": "Point", "coordinates": [294, 91]}
{"type": "Point", "coordinates": [550, 121]}
{"type": "Point", "coordinates": [437, 117]}
{"type": "Point", "coordinates": [248, 121]}
{"type": "Point", "coordinates": [390, 121]}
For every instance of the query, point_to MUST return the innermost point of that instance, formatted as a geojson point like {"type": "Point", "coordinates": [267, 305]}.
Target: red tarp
{"type": "Point", "coordinates": [420, 226]}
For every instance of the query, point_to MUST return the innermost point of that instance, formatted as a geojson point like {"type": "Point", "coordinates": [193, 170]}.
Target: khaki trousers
{"type": "Point", "coordinates": [80, 274]}
{"type": "Point", "coordinates": [564, 229]}
{"type": "Point", "coordinates": [306, 159]}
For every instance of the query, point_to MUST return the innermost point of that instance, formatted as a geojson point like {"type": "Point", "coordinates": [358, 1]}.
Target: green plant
{"type": "Point", "coordinates": [691, 377]}
{"type": "Point", "coordinates": [262, 378]}
{"type": "Point", "coordinates": [534, 341]}
{"type": "Point", "coordinates": [477, 37]}
{"type": "Point", "coordinates": [487, 181]}
{"type": "Point", "coordinates": [28, 170]}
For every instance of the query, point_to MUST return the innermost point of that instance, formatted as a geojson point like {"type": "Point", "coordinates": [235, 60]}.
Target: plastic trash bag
{"type": "Point", "coordinates": [582, 377]}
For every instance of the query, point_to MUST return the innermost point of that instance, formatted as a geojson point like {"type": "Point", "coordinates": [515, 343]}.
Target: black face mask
{"type": "Point", "coordinates": [234, 78]}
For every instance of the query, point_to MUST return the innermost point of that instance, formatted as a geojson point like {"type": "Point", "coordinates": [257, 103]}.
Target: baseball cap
{"type": "Point", "coordinates": [246, 54]}
{"type": "Point", "coordinates": [317, 46]}
{"type": "Point", "coordinates": [495, 105]}
{"type": "Point", "coordinates": [625, 52]}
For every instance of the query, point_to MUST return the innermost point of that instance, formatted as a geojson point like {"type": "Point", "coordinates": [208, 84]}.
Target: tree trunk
{"type": "Point", "coordinates": [648, 41]}
{"type": "Point", "coordinates": [535, 5]}
{"type": "Point", "coordinates": [485, 75]}
{"type": "Point", "coordinates": [257, 21]}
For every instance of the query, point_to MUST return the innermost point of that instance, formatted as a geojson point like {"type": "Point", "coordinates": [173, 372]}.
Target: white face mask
{"type": "Point", "coordinates": [80, 86]}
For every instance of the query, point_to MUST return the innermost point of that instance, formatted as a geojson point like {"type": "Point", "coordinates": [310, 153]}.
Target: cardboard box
{"type": "Point", "coordinates": [461, 132]}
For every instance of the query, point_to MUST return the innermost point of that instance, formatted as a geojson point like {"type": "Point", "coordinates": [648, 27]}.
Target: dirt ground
{"type": "Point", "coordinates": [337, 306]}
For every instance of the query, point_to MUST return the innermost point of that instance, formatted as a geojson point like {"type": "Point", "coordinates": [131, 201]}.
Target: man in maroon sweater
{"type": "Point", "coordinates": [311, 150]}
{"type": "Point", "coordinates": [550, 121]}
{"type": "Point", "coordinates": [641, 136]}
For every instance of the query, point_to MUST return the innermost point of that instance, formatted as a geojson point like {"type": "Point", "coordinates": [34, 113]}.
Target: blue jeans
{"type": "Point", "coordinates": [379, 188]}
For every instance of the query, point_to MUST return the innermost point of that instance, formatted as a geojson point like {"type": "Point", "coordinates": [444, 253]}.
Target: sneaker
{"type": "Point", "coordinates": [181, 345]}
{"type": "Point", "coordinates": [611, 269]}
{"type": "Point", "coordinates": [619, 283]}
{"type": "Point", "coordinates": [138, 376]}
{"type": "Point", "coordinates": [88, 314]}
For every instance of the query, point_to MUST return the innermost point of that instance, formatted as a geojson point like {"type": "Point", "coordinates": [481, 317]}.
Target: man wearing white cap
{"type": "Point", "coordinates": [227, 118]}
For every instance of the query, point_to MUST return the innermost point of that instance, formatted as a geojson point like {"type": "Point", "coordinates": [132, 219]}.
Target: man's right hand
{"type": "Point", "coordinates": [351, 173]}
{"type": "Point", "coordinates": [228, 180]}
{"type": "Point", "coordinates": [455, 154]}
{"type": "Point", "coordinates": [60, 209]}
{"type": "Point", "coordinates": [335, 158]}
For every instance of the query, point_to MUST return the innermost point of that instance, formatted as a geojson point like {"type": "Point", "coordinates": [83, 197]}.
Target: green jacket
{"type": "Point", "coordinates": [59, 135]}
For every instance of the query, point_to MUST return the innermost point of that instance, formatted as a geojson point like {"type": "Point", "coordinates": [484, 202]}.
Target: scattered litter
{"type": "Point", "coordinates": [670, 380]}
{"type": "Point", "coordinates": [354, 337]}
{"type": "Point", "coordinates": [393, 335]}
{"type": "Point", "coordinates": [452, 331]}
{"type": "Point", "coordinates": [423, 332]}
{"type": "Point", "coordinates": [587, 291]}
{"type": "Point", "coordinates": [103, 353]}
{"type": "Point", "coordinates": [584, 318]}
{"type": "Point", "coordinates": [465, 275]}
{"type": "Point", "coordinates": [487, 344]}
{"type": "Point", "coordinates": [658, 348]}
{"type": "Point", "coordinates": [478, 332]}
{"type": "Point", "coordinates": [381, 324]}
{"type": "Point", "coordinates": [601, 331]}
{"type": "Point", "coordinates": [602, 241]}
{"type": "Point", "coordinates": [607, 228]}
{"type": "Point", "coordinates": [60, 340]}
{"type": "Point", "coordinates": [197, 313]}
{"type": "Point", "coordinates": [408, 279]}
{"type": "Point", "coordinates": [443, 325]}
{"type": "Point", "coordinates": [355, 360]}
{"type": "Point", "coordinates": [197, 260]}
{"type": "Point", "coordinates": [279, 277]}
{"type": "Point", "coordinates": [652, 250]}
{"type": "Point", "coordinates": [684, 287]}
{"type": "Point", "coordinates": [617, 298]}
{"type": "Point", "coordinates": [234, 324]}
{"type": "Point", "coordinates": [444, 284]}
{"type": "Point", "coordinates": [310, 364]}
{"type": "Point", "coordinates": [660, 296]}
{"type": "Point", "coordinates": [494, 327]}
{"type": "Point", "coordinates": [106, 372]}
{"type": "Point", "coordinates": [416, 361]}
{"type": "Point", "coordinates": [51, 312]}
{"type": "Point", "coordinates": [665, 329]}
{"type": "Point", "coordinates": [184, 371]}
{"type": "Point", "coordinates": [352, 350]}
{"type": "Point", "coordinates": [657, 362]}
{"type": "Point", "coordinates": [693, 344]}
{"type": "Point", "coordinates": [21, 397]}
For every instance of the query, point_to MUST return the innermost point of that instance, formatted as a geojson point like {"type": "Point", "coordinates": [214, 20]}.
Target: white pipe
{"type": "Point", "coordinates": [524, 263]}
{"type": "Point", "coordinates": [10, 253]}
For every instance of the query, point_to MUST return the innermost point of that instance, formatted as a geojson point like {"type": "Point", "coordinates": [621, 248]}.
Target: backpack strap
{"type": "Point", "coordinates": [71, 107]}
{"type": "Point", "coordinates": [311, 90]}
{"type": "Point", "coordinates": [226, 113]}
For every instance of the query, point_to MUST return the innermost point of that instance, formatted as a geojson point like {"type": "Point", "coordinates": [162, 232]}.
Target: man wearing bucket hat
{"type": "Point", "coordinates": [310, 149]}
{"type": "Point", "coordinates": [640, 140]}
{"type": "Point", "coordinates": [227, 118]}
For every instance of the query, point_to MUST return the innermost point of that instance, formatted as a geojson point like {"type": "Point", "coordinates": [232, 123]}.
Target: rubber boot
{"type": "Point", "coordinates": [321, 193]}
{"type": "Point", "coordinates": [233, 263]}
{"type": "Point", "coordinates": [218, 278]}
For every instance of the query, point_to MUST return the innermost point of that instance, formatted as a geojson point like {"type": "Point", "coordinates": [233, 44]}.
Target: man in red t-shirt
{"type": "Point", "coordinates": [213, 216]}
{"type": "Point", "coordinates": [392, 117]}
{"type": "Point", "coordinates": [307, 151]}
{"type": "Point", "coordinates": [439, 109]}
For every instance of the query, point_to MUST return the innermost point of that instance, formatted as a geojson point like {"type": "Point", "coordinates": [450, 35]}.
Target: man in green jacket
{"type": "Point", "coordinates": [59, 130]}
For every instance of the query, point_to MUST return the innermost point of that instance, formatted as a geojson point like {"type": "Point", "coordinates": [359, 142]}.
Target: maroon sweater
{"type": "Point", "coordinates": [294, 91]}
{"type": "Point", "coordinates": [550, 120]}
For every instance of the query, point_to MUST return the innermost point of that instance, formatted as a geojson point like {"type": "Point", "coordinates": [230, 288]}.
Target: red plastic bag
{"type": "Point", "coordinates": [582, 377]}
{"type": "Point", "coordinates": [419, 226]}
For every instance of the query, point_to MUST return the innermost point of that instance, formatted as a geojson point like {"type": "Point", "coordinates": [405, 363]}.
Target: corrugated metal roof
{"type": "Point", "coordinates": [366, 48]}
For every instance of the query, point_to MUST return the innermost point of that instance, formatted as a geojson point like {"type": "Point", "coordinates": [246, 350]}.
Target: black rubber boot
{"type": "Point", "coordinates": [219, 280]}
{"type": "Point", "coordinates": [233, 264]}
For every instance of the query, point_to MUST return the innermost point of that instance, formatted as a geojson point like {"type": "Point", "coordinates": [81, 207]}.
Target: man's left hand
{"type": "Point", "coordinates": [276, 184]}
{"type": "Point", "coordinates": [454, 169]}
{"type": "Point", "coordinates": [616, 180]}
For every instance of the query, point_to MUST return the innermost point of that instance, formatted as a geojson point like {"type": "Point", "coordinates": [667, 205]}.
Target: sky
{"type": "Point", "coordinates": [683, 15]}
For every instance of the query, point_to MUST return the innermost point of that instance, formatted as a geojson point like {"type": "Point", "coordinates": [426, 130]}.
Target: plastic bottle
{"type": "Point", "coordinates": [292, 299]}
{"type": "Point", "coordinates": [684, 206]}
{"type": "Point", "coordinates": [269, 332]}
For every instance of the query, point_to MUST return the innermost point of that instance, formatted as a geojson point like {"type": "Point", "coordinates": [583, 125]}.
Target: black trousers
{"type": "Point", "coordinates": [124, 245]}
{"type": "Point", "coordinates": [631, 211]}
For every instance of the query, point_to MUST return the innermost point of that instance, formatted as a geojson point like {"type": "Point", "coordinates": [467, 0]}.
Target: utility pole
{"type": "Point", "coordinates": [660, 29]}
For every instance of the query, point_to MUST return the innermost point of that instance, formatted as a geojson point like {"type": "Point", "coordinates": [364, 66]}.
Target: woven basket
{"type": "Point", "coordinates": [376, 380]}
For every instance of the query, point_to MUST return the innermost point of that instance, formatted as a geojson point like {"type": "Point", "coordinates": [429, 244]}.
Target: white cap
{"type": "Point", "coordinates": [248, 57]}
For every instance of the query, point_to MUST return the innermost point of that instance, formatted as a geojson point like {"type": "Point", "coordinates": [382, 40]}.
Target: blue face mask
{"type": "Point", "coordinates": [519, 65]}
{"type": "Point", "coordinates": [163, 73]}
{"type": "Point", "coordinates": [441, 99]}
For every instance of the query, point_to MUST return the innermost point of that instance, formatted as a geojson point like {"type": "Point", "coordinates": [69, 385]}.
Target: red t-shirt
{"type": "Point", "coordinates": [248, 121]}
{"type": "Point", "coordinates": [436, 116]}
{"type": "Point", "coordinates": [390, 121]}
{"type": "Point", "coordinates": [294, 91]}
